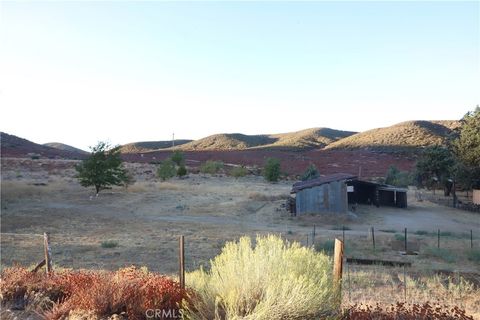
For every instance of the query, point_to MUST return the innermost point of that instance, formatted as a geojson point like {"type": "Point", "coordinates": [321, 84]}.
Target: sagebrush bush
{"type": "Point", "coordinates": [272, 279]}
{"type": "Point", "coordinates": [181, 171]}
{"type": "Point", "coordinates": [238, 172]}
{"type": "Point", "coordinates": [211, 166]}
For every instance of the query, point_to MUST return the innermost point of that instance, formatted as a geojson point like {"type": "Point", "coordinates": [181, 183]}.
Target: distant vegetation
{"type": "Point", "coordinates": [271, 169]}
{"type": "Point", "coordinates": [310, 173]}
{"type": "Point", "coordinates": [458, 162]}
{"type": "Point", "coordinates": [102, 169]}
{"type": "Point", "coordinates": [166, 170]}
{"type": "Point", "coordinates": [398, 178]}
{"type": "Point", "coordinates": [238, 172]}
{"type": "Point", "coordinates": [211, 167]}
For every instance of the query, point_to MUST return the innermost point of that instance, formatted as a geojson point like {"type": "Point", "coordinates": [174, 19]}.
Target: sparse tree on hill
{"type": "Point", "coordinates": [271, 170]}
{"type": "Point", "coordinates": [310, 173]}
{"type": "Point", "coordinates": [102, 169]}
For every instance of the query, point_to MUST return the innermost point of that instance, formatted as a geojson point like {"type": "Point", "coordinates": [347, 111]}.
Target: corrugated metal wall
{"type": "Point", "coordinates": [329, 197]}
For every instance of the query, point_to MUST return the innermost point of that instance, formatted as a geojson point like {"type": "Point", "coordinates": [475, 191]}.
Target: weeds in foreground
{"type": "Point", "coordinates": [128, 291]}
{"type": "Point", "coordinates": [404, 311]}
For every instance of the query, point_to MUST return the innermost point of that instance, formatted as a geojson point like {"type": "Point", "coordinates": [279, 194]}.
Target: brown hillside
{"type": "Point", "coordinates": [146, 146]}
{"type": "Point", "coordinates": [65, 147]}
{"type": "Point", "coordinates": [13, 146]}
{"type": "Point", "coordinates": [305, 139]}
{"type": "Point", "coordinates": [400, 137]}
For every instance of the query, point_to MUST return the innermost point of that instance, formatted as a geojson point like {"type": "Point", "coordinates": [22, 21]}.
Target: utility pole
{"type": "Point", "coordinates": [173, 139]}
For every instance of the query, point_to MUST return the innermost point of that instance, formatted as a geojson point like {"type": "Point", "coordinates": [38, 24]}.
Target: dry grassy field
{"type": "Point", "coordinates": [140, 226]}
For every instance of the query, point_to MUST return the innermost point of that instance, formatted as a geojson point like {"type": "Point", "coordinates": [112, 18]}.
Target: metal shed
{"type": "Point", "coordinates": [324, 194]}
{"type": "Point", "coordinates": [333, 193]}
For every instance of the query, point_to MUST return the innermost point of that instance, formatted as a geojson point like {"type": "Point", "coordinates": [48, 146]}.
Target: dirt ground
{"type": "Point", "coordinates": [146, 220]}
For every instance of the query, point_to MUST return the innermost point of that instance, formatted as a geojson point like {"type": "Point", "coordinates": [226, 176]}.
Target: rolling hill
{"type": "Point", "coordinates": [400, 137]}
{"type": "Point", "coordinates": [145, 146]}
{"type": "Point", "coordinates": [13, 146]}
{"type": "Point", "coordinates": [65, 147]}
{"type": "Point", "coordinates": [299, 140]}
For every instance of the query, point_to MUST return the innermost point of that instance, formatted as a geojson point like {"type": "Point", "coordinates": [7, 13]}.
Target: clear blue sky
{"type": "Point", "coordinates": [79, 72]}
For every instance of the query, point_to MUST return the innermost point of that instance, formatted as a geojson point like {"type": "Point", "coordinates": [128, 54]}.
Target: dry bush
{"type": "Point", "coordinates": [129, 291]}
{"type": "Point", "coordinates": [404, 311]}
{"type": "Point", "coordinates": [266, 197]}
{"type": "Point", "coordinates": [272, 280]}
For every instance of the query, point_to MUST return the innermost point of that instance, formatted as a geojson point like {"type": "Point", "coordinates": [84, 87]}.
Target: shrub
{"type": "Point", "coordinates": [166, 170]}
{"type": "Point", "coordinates": [326, 247]}
{"type": "Point", "coordinates": [211, 166]}
{"type": "Point", "coordinates": [271, 170]}
{"type": "Point", "coordinates": [128, 291]}
{"type": "Point", "coordinates": [272, 280]}
{"type": "Point", "coordinates": [181, 171]}
{"type": "Point", "coordinates": [238, 172]}
{"type": "Point", "coordinates": [399, 237]}
{"type": "Point", "coordinates": [310, 173]}
{"type": "Point", "coordinates": [441, 253]}
{"type": "Point", "coordinates": [398, 178]}
{"type": "Point", "coordinates": [474, 255]}
{"type": "Point", "coordinates": [422, 232]}
{"type": "Point", "coordinates": [178, 158]}
{"type": "Point", "coordinates": [109, 244]}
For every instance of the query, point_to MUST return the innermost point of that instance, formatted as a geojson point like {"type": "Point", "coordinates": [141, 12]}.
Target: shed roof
{"type": "Point", "coordinates": [321, 180]}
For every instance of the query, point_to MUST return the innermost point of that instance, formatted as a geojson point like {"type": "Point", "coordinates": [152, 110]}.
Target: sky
{"type": "Point", "coordinates": [81, 72]}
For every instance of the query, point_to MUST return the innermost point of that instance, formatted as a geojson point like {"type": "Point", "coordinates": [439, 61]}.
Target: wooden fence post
{"type": "Point", "coordinates": [181, 260]}
{"type": "Point", "coordinates": [338, 261]}
{"type": "Point", "coordinates": [373, 238]}
{"type": "Point", "coordinates": [47, 252]}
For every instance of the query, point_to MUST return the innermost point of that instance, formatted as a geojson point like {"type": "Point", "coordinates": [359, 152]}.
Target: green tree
{"type": "Point", "coordinates": [467, 150]}
{"type": "Point", "coordinates": [435, 166]}
{"type": "Point", "coordinates": [166, 170]}
{"type": "Point", "coordinates": [310, 173]}
{"type": "Point", "coordinates": [181, 171]}
{"type": "Point", "coordinates": [103, 168]}
{"type": "Point", "coordinates": [467, 145]}
{"type": "Point", "coordinates": [178, 157]}
{"type": "Point", "coordinates": [397, 178]}
{"type": "Point", "coordinates": [271, 169]}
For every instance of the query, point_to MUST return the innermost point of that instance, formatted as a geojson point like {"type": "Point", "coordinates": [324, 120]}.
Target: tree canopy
{"type": "Point", "coordinates": [103, 168]}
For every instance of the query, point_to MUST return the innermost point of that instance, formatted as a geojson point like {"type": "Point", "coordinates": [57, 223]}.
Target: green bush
{"type": "Point", "coordinates": [211, 166]}
{"type": "Point", "coordinates": [441, 253]}
{"type": "Point", "coordinates": [238, 172]}
{"type": "Point", "coordinates": [166, 170]}
{"type": "Point", "coordinates": [399, 237]}
{"type": "Point", "coordinates": [181, 171]}
{"type": "Point", "coordinates": [178, 158]}
{"type": "Point", "coordinates": [271, 169]}
{"type": "Point", "coordinates": [398, 178]}
{"type": "Point", "coordinates": [474, 255]}
{"type": "Point", "coordinates": [271, 280]}
{"type": "Point", "coordinates": [310, 173]}
{"type": "Point", "coordinates": [326, 247]}
{"type": "Point", "coordinates": [109, 244]}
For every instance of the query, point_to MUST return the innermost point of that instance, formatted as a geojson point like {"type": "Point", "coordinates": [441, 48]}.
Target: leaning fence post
{"type": "Point", "coordinates": [47, 252]}
{"type": "Point", "coordinates": [181, 260]}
